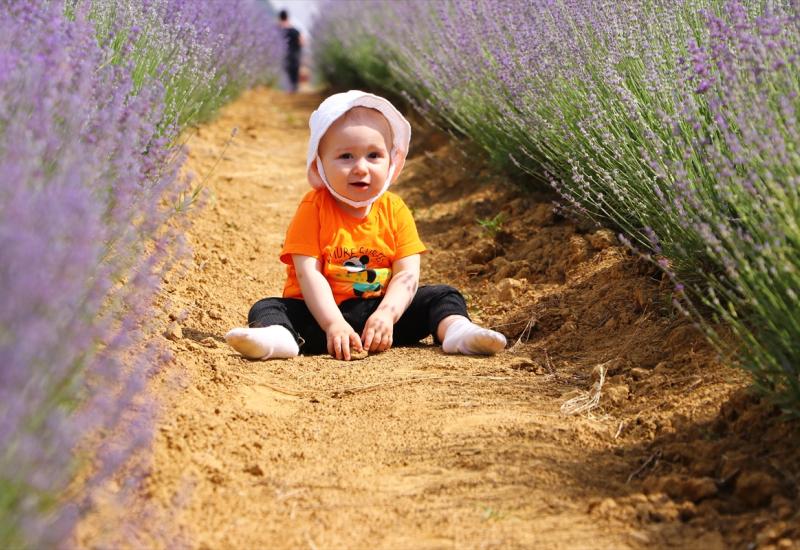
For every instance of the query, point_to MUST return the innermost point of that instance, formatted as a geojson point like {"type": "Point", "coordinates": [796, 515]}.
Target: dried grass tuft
{"type": "Point", "coordinates": [587, 400]}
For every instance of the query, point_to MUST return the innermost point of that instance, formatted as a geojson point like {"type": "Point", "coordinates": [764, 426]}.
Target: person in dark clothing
{"type": "Point", "coordinates": [294, 45]}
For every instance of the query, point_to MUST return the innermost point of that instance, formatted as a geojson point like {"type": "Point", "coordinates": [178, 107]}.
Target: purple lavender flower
{"type": "Point", "coordinates": [89, 160]}
{"type": "Point", "coordinates": [673, 122]}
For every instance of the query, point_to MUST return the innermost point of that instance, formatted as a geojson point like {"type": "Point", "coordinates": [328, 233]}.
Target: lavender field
{"type": "Point", "coordinates": [95, 99]}
{"type": "Point", "coordinates": [673, 122]}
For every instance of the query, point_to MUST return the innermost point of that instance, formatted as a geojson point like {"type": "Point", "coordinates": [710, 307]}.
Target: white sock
{"type": "Point", "coordinates": [272, 342]}
{"type": "Point", "coordinates": [465, 337]}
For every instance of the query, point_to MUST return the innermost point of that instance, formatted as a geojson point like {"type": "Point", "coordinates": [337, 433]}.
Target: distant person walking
{"type": "Point", "coordinates": [294, 45]}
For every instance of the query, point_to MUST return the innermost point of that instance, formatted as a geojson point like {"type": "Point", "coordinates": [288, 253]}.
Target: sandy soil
{"type": "Point", "coordinates": [415, 449]}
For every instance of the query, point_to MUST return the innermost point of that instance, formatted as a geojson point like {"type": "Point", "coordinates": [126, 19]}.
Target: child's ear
{"type": "Point", "coordinates": [314, 178]}
{"type": "Point", "coordinates": [399, 161]}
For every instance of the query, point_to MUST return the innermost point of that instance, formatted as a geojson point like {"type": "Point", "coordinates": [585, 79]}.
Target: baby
{"type": "Point", "coordinates": [353, 253]}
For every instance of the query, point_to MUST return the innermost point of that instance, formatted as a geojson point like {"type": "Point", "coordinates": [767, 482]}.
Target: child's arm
{"type": "Point", "coordinates": [378, 330]}
{"type": "Point", "coordinates": [318, 296]}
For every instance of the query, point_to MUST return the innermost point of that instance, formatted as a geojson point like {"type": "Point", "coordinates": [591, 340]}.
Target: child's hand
{"type": "Point", "coordinates": [378, 331]}
{"type": "Point", "coordinates": [342, 338]}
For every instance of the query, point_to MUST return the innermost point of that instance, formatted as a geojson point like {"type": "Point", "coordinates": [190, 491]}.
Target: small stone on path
{"type": "Point", "coordinates": [209, 342]}
{"type": "Point", "coordinates": [173, 332]}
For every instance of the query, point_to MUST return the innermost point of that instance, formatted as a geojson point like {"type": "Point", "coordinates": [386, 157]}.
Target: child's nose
{"type": "Point", "coordinates": [360, 166]}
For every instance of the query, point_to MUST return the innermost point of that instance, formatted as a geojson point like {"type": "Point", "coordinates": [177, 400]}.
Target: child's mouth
{"type": "Point", "coordinates": [360, 184]}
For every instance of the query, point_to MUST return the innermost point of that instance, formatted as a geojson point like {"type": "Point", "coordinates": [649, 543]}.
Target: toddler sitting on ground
{"type": "Point", "coordinates": [353, 253]}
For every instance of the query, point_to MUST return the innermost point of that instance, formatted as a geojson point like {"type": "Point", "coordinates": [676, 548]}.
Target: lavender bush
{"type": "Point", "coordinates": [641, 116]}
{"type": "Point", "coordinates": [203, 53]}
{"type": "Point", "coordinates": [87, 226]}
{"type": "Point", "coordinates": [736, 187]}
{"type": "Point", "coordinates": [347, 59]}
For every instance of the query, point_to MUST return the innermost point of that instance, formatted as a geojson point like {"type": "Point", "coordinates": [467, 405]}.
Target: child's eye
{"type": "Point", "coordinates": [345, 156]}
{"type": "Point", "coordinates": [375, 155]}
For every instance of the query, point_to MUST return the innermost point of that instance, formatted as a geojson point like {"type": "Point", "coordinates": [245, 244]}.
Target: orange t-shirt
{"type": "Point", "coordinates": [356, 253]}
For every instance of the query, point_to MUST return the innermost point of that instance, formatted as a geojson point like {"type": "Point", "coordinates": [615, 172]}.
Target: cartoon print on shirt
{"type": "Point", "coordinates": [365, 281]}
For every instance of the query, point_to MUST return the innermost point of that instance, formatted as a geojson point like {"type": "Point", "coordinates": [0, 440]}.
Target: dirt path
{"type": "Point", "coordinates": [410, 448]}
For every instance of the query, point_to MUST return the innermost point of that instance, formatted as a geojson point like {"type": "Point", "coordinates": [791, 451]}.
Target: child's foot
{"type": "Point", "coordinates": [465, 337]}
{"type": "Point", "coordinates": [273, 342]}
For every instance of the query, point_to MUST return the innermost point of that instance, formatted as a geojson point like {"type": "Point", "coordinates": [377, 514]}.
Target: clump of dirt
{"type": "Point", "coordinates": [710, 453]}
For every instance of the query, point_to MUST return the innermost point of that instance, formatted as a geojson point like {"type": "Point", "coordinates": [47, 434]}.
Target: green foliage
{"type": "Point", "coordinates": [492, 226]}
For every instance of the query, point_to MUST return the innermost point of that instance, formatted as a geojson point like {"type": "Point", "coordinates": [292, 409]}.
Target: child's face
{"type": "Point", "coordinates": [355, 153]}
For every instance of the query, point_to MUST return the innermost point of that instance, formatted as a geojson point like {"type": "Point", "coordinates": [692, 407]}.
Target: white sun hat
{"type": "Point", "coordinates": [334, 107]}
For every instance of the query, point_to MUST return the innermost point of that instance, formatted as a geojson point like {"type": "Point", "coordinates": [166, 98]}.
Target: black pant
{"type": "Point", "coordinates": [430, 305]}
{"type": "Point", "coordinates": [291, 65]}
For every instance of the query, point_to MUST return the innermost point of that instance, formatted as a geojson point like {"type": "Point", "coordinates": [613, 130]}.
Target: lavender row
{"type": "Point", "coordinates": [93, 96]}
{"type": "Point", "coordinates": [674, 122]}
